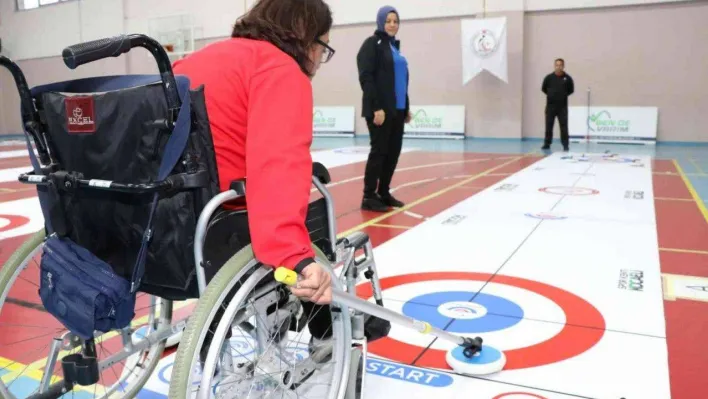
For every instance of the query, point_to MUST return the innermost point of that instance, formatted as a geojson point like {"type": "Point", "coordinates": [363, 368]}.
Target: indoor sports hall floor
{"type": "Point", "coordinates": [589, 268]}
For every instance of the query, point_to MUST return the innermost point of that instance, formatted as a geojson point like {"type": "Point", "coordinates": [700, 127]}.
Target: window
{"type": "Point", "coordinates": [30, 4]}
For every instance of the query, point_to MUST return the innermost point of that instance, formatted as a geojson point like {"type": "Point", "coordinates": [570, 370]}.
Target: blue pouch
{"type": "Point", "coordinates": [82, 291]}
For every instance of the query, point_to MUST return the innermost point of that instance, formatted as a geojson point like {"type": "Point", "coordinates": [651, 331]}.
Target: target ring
{"type": "Point", "coordinates": [545, 216]}
{"type": "Point", "coordinates": [560, 190]}
{"type": "Point", "coordinates": [518, 395]}
{"type": "Point", "coordinates": [571, 341]}
{"type": "Point", "coordinates": [9, 222]}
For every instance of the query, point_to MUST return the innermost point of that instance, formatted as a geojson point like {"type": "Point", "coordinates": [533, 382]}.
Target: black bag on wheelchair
{"type": "Point", "coordinates": [132, 167]}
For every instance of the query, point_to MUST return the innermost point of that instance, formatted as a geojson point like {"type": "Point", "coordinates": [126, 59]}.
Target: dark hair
{"type": "Point", "coordinates": [560, 59]}
{"type": "Point", "coordinates": [291, 25]}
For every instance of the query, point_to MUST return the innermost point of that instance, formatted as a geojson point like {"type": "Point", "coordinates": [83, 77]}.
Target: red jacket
{"type": "Point", "coordinates": [260, 105]}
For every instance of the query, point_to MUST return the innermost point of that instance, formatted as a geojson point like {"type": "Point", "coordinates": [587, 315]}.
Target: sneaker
{"type": "Point", "coordinates": [376, 328]}
{"type": "Point", "coordinates": [390, 200]}
{"type": "Point", "coordinates": [374, 204]}
{"type": "Point", "coordinates": [320, 349]}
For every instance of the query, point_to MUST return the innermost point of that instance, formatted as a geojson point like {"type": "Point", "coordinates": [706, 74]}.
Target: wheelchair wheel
{"type": "Point", "coordinates": [247, 339]}
{"type": "Point", "coordinates": [33, 343]}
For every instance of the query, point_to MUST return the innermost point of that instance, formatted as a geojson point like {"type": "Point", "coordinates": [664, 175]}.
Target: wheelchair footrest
{"type": "Point", "coordinates": [80, 370]}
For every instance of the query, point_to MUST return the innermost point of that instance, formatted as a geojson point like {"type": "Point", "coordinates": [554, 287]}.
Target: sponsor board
{"type": "Point", "coordinates": [439, 121]}
{"type": "Point", "coordinates": [613, 124]}
{"type": "Point", "coordinates": [333, 121]}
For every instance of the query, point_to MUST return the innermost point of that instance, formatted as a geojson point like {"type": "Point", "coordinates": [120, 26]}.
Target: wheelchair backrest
{"type": "Point", "coordinates": [115, 129]}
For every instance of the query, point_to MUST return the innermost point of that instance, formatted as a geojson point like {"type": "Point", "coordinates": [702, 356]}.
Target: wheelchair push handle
{"type": "Point", "coordinates": [83, 53]}
{"type": "Point", "coordinates": [30, 118]}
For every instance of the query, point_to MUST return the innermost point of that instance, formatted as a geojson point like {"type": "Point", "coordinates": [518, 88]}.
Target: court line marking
{"type": "Point", "coordinates": [414, 215]}
{"type": "Point", "coordinates": [18, 369]}
{"type": "Point", "coordinates": [36, 365]}
{"type": "Point", "coordinates": [431, 165]}
{"type": "Point", "coordinates": [684, 251]}
{"type": "Point", "coordinates": [697, 166]}
{"type": "Point", "coordinates": [699, 201]}
{"type": "Point", "coordinates": [677, 174]}
{"type": "Point", "coordinates": [673, 199]}
{"type": "Point", "coordinates": [669, 280]}
{"type": "Point", "coordinates": [428, 197]}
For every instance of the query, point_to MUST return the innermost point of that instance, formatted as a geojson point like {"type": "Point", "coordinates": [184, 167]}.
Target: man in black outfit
{"type": "Point", "coordinates": [557, 86]}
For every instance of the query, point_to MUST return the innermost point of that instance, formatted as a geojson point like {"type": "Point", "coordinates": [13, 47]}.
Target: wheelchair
{"type": "Point", "coordinates": [124, 167]}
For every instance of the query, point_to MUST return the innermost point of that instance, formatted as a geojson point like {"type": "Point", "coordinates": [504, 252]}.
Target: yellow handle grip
{"type": "Point", "coordinates": [285, 276]}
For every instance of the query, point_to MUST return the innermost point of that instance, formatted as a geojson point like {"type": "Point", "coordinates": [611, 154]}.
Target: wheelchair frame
{"type": "Point", "coordinates": [343, 250]}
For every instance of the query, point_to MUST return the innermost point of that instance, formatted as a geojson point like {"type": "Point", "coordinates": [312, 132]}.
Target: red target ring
{"type": "Point", "coordinates": [571, 341]}
{"type": "Point", "coordinates": [15, 222]}
{"type": "Point", "coordinates": [569, 190]}
{"type": "Point", "coordinates": [518, 395]}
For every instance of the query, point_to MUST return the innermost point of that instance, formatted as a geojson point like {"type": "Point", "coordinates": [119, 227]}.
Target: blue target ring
{"type": "Point", "coordinates": [487, 313]}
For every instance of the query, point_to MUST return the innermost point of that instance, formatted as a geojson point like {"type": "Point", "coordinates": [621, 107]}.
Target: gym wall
{"type": "Point", "coordinates": [649, 53]}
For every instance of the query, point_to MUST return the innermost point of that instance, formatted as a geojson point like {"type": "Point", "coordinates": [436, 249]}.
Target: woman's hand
{"type": "Point", "coordinates": [315, 286]}
{"type": "Point", "coordinates": [379, 117]}
{"type": "Point", "coordinates": [409, 117]}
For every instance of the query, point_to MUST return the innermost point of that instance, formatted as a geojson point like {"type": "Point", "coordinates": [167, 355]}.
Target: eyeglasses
{"type": "Point", "coordinates": [328, 52]}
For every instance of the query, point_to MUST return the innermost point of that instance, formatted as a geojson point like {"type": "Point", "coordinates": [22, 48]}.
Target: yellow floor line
{"type": "Point", "coordinates": [699, 202]}
{"type": "Point", "coordinates": [427, 198]}
{"type": "Point", "coordinates": [18, 369]}
{"type": "Point", "coordinates": [137, 322]}
{"type": "Point", "coordinates": [684, 251]}
{"type": "Point", "coordinates": [391, 226]}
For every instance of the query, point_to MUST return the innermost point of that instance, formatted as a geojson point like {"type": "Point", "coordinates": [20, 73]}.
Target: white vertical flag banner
{"type": "Point", "coordinates": [484, 47]}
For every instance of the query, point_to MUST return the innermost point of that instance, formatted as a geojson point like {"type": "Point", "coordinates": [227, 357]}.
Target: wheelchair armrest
{"type": "Point", "coordinates": [239, 186]}
{"type": "Point", "coordinates": [321, 173]}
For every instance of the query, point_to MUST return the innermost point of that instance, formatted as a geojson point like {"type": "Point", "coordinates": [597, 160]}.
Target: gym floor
{"type": "Point", "coordinates": [589, 269]}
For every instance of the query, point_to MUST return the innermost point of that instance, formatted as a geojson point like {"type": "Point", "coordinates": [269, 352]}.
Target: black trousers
{"type": "Point", "coordinates": [560, 112]}
{"type": "Point", "coordinates": [386, 142]}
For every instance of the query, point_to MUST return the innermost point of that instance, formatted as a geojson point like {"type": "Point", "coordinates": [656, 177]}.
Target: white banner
{"type": "Point", "coordinates": [436, 121]}
{"type": "Point", "coordinates": [484, 47]}
{"type": "Point", "coordinates": [613, 124]}
{"type": "Point", "coordinates": [333, 121]}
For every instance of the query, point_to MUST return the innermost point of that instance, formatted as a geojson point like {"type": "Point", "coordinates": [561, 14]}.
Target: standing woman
{"type": "Point", "coordinates": [383, 75]}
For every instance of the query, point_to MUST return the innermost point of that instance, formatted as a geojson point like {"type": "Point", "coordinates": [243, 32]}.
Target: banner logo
{"type": "Point", "coordinates": [421, 120]}
{"type": "Point", "coordinates": [484, 47]}
{"type": "Point", "coordinates": [484, 43]}
{"type": "Point", "coordinates": [631, 280]}
{"type": "Point", "coordinates": [322, 122]}
{"type": "Point", "coordinates": [602, 122]}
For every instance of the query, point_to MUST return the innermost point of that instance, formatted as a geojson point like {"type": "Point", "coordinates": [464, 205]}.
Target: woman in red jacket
{"type": "Point", "coordinates": [259, 100]}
